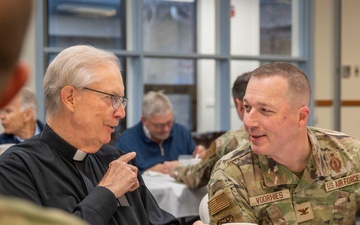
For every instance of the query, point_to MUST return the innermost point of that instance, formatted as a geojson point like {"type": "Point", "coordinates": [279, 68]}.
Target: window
{"type": "Point", "coordinates": [169, 27]}
{"type": "Point", "coordinates": [191, 49]}
{"type": "Point", "coordinates": [276, 27]}
{"type": "Point", "coordinates": [95, 22]}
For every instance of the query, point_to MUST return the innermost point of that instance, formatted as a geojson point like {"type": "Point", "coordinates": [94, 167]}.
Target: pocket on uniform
{"type": "Point", "coordinates": [344, 210]}
{"type": "Point", "coordinates": [272, 216]}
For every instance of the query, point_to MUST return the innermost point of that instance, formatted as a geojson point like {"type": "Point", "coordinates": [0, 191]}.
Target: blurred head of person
{"type": "Point", "coordinates": [238, 93]}
{"type": "Point", "coordinates": [14, 18]}
{"type": "Point", "coordinates": [157, 115]}
{"type": "Point", "coordinates": [84, 98]}
{"type": "Point", "coordinates": [20, 115]}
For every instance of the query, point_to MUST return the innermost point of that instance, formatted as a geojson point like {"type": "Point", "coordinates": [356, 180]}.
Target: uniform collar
{"type": "Point", "coordinates": [275, 174]}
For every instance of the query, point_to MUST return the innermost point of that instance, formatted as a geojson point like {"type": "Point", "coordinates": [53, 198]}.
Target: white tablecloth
{"type": "Point", "coordinates": [4, 147]}
{"type": "Point", "coordinates": [174, 197]}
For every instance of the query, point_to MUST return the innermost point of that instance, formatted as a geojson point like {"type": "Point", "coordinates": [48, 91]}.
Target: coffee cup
{"type": "Point", "coordinates": [243, 223]}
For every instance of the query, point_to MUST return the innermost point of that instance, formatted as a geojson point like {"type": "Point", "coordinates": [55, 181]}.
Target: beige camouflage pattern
{"type": "Point", "coordinates": [20, 212]}
{"type": "Point", "coordinates": [245, 187]}
{"type": "Point", "coordinates": [198, 175]}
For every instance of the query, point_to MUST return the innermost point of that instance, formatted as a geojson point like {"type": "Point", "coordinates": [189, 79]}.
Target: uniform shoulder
{"type": "Point", "coordinates": [237, 154]}
{"type": "Point", "coordinates": [322, 132]}
{"type": "Point", "coordinates": [331, 137]}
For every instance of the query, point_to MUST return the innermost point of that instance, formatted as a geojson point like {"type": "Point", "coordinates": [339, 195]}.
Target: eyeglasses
{"type": "Point", "coordinates": [160, 126]}
{"type": "Point", "coordinates": [115, 100]}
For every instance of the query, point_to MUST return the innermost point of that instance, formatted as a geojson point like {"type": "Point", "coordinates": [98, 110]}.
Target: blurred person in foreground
{"type": "Point", "coordinates": [14, 19]}
{"type": "Point", "coordinates": [289, 173]}
{"type": "Point", "coordinates": [198, 175]}
{"type": "Point", "coordinates": [19, 118]}
{"type": "Point", "coordinates": [68, 166]}
{"type": "Point", "coordinates": [157, 139]}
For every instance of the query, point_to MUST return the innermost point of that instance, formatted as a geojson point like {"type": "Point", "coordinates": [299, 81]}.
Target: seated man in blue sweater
{"type": "Point", "coordinates": [157, 139]}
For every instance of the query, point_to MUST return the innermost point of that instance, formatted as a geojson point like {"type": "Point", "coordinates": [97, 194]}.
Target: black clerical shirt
{"type": "Point", "coordinates": [43, 170]}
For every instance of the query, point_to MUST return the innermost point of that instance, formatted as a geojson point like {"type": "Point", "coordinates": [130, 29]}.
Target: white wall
{"type": "Point", "coordinates": [324, 60]}
{"type": "Point", "coordinates": [350, 55]}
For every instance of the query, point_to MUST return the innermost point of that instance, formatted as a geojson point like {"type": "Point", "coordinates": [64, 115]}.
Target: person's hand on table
{"type": "Point", "coordinates": [171, 165]}
{"type": "Point", "coordinates": [120, 170]}
{"type": "Point", "coordinates": [199, 222]}
{"type": "Point", "coordinates": [160, 167]}
{"type": "Point", "coordinates": [165, 167]}
{"type": "Point", "coordinates": [199, 151]}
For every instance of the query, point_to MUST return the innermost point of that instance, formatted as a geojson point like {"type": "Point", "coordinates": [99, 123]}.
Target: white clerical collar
{"type": "Point", "coordinates": [79, 155]}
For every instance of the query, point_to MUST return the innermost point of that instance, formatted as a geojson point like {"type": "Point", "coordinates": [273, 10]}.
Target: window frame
{"type": "Point", "coordinates": [134, 56]}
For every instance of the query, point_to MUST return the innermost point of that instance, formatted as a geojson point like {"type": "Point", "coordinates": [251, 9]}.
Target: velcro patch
{"type": "Point", "coordinates": [218, 185]}
{"type": "Point", "coordinates": [342, 182]}
{"type": "Point", "coordinates": [270, 197]}
{"type": "Point", "coordinates": [218, 203]}
{"type": "Point", "coordinates": [226, 219]}
{"type": "Point", "coordinates": [304, 212]}
{"type": "Point", "coordinates": [335, 163]}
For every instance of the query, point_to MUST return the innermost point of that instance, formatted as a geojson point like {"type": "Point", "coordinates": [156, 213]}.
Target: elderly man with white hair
{"type": "Point", "coordinates": [69, 166]}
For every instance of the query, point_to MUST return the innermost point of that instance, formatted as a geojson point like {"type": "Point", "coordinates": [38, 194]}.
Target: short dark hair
{"type": "Point", "coordinates": [299, 89]}
{"type": "Point", "coordinates": [239, 86]}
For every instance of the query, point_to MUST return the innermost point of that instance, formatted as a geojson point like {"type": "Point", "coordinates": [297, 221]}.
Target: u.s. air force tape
{"type": "Point", "coordinates": [342, 182]}
{"type": "Point", "coordinates": [271, 197]}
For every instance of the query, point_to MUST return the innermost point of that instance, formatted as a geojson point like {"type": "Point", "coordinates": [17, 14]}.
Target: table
{"type": "Point", "coordinates": [4, 147]}
{"type": "Point", "coordinates": [176, 198]}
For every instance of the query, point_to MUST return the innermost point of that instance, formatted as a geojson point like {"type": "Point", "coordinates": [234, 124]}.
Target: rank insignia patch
{"type": "Point", "coordinates": [304, 212]}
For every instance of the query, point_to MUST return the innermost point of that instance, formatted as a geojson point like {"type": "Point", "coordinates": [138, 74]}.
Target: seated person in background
{"type": "Point", "coordinates": [157, 139]}
{"type": "Point", "coordinates": [69, 166]}
{"type": "Point", "coordinates": [19, 118]}
{"type": "Point", "coordinates": [198, 175]}
{"type": "Point", "coordinates": [289, 173]}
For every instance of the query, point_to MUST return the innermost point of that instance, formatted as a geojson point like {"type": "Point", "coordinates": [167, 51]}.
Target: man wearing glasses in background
{"type": "Point", "coordinates": [157, 139]}
{"type": "Point", "coordinates": [68, 166]}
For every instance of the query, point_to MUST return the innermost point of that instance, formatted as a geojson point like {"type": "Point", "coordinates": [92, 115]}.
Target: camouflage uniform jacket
{"type": "Point", "coordinates": [198, 175]}
{"type": "Point", "coordinates": [246, 187]}
{"type": "Point", "coordinates": [21, 212]}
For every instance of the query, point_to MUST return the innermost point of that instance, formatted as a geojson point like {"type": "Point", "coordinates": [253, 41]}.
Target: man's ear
{"type": "Point", "coordinates": [143, 120]}
{"type": "Point", "coordinates": [18, 79]}
{"type": "Point", "coordinates": [239, 105]}
{"type": "Point", "coordinates": [67, 96]}
{"type": "Point", "coordinates": [304, 114]}
{"type": "Point", "coordinates": [28, 114]}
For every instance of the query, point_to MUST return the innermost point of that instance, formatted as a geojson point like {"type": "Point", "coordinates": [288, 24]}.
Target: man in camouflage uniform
{"type": "Point", "coordinates": [289, 173]}
{"type": "Point", "coordinates": [198, 175]}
